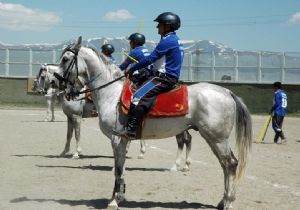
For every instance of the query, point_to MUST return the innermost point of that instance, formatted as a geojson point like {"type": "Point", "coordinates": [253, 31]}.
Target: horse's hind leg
{"type": "Point", "coordinates": [229, 165]}
{"type": "Point", "coordinates": [142, 149]}
{"type": "Point", "coordinates": [69, 137]}
{"type": "Point", "coordinates": [188, 147]}
{"type": "Point", "coordinates": [182, 139]}
{"type": "Point", "coordinates": [76, 124]}
{"type": "Point", "coordinates": [180, 144]}
{"type": "Point", "coordinates": [120, 149]}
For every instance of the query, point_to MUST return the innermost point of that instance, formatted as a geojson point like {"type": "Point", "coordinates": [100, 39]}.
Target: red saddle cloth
{"type": "Point", "coordinates": [170, 104]}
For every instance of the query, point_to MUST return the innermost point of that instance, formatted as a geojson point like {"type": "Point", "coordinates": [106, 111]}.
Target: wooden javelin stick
{"type": "Point", "coordinates": [130, 57]}
{"type": "Point", "coordinates": [263, 131]}
{"type": "Point", "coordinates": [141, 25]}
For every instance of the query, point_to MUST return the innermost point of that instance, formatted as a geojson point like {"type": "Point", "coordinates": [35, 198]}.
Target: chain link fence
{"type": "Point", "coordinates": [236, 66]}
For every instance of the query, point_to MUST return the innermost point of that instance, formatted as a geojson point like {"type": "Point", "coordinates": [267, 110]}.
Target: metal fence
{"type": "Point", "coordinates": [236, 66]}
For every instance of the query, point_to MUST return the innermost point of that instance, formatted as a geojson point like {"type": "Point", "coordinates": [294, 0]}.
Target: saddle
{"type": "Point", "coordinates": [170, 104]}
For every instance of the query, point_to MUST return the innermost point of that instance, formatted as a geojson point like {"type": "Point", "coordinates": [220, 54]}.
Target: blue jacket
{"type": "Point", "coordinates": [280, 103]}
{"type": "Point", "coordinates": [137, 53]}
{"type": "Point", "coordinates": [168, 54]}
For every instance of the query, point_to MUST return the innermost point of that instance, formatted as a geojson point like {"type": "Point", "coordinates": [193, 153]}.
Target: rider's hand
{"type": "Point", "coordinates": [127, 73]}
{"type": "Point", "coordinates": [271, 111]}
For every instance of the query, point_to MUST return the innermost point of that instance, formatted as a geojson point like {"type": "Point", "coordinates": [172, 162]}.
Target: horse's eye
{"type": "Point", "coordinates": [64, 59]}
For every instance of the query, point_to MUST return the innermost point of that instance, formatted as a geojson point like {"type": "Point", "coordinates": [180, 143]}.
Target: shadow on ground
{"type": "Point", "coordinates": [102, 203]}
{"type": "Point", "coordinates": [69, 156]}
{"type": "Point", "coordinates": [103, 168]}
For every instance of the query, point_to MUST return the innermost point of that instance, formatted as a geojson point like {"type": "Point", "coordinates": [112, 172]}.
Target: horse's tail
{"type": "Point", "coordinates": [243, 132]}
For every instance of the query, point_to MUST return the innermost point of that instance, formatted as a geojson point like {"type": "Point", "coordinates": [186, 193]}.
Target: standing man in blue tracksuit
{"type": "Point", "coordinates": [279, 110]}
{"type": "Point", "coordinates": [167, 59]}
{"type": "Point", "coordinates": [137, 52]}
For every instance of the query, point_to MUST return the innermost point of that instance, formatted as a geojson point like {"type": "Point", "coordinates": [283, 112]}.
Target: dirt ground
{"type": "Point", "coordinates": [34, 177]}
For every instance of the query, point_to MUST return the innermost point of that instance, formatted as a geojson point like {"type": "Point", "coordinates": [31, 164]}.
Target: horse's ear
{"type": "Point", "coordinates": [78, 43]}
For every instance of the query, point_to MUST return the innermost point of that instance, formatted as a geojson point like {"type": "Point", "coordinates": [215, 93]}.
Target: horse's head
{"type": "Point", "coordinates": [80, 66]}
{"type": "Point", "coordinates": [40, 82]}
{"type": "Point", "coordinates": [71, 72]}
{"type": "Point", "coordinates": [45, 78]}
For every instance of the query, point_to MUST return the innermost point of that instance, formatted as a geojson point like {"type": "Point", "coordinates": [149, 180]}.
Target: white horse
{"type": "Point", "coordinates": [75, 110]}
{"type": "Point", "coordinates": [42, 84]}
{"type": "Point", "coordinates": [46, 82]}
{"type": "Point", "coordinates": [213, 111]}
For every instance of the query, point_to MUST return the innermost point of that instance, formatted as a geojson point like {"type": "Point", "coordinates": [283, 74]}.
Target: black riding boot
{"type": "Point", "coordinates": [282, 136]}
{"type": "Point", "coordinates": [276, 137]}
{"type": "Point", "coordinates": [133, 128]}
{"type": "Point", "coordinates": [134, 124]}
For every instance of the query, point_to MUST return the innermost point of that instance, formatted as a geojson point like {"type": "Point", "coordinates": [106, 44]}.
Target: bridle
{"type": "Point", "coordinates": [66, 75]}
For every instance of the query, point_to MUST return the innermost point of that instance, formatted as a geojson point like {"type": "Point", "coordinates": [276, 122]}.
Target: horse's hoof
{"type": "Point", "coordinates": [75, 156]}
{"type": "Point", "coordinates": [174, 168]}
{"type": "Point", "coordinates": [141, 156]}
{"type": "Point", "coordinates": [113, 205]}
{"type": "Point", "coordinates": [64, 153]}
{"type": "Point", "coordinates": [186, 168]}
{"type": "Point", "coordinates": [222, 206]}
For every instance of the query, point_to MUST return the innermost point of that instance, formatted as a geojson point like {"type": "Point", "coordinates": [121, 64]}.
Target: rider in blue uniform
{"type": "Point", "coordinates": [108, 50]}
{"type": "Point", "coordinates": [279, 110]}
{"type": "Point", "coordinates": [167, 59]}
{"type": "Point", "coordinates": [138, 52]}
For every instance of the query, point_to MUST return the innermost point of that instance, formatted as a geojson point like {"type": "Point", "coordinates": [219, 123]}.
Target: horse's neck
{"type": "Point", "coordinates": [108, 97]}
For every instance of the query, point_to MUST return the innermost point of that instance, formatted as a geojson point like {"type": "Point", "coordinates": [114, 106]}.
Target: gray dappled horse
{"type": "Point", "coordinates": [46, 82]}
{"type": "Point", "coordinates": [213, 111]}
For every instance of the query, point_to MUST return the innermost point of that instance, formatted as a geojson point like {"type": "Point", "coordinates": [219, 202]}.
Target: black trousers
{"type": "Point", "coordinates": [146, 94]}
{"type": "Point", "coordinates": [277, 122]}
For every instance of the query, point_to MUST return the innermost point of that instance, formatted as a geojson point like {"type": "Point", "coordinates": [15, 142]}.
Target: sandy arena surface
{"type": "Point", "coordinates": [34, 177]}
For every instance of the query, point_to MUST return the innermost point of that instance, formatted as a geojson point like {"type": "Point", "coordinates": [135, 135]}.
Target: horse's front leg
{"type": "Point", "coordinates": [120, 150]}
{"type": "Point", "coordinates": [50, 110]}
{"type": "Point", "coordinates": [69, 137]}
{"type": "Point", "coordinates": [50, 106]}
{"type": "Point", "coordinates": [77, 123]}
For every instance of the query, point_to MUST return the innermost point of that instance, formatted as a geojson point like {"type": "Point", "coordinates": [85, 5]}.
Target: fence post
{"type": "Point", "coordinates": [259, 67]}
{"type": "Point", "coordinates": [236, 64]}
{"type": "Point", "coordinates": [54, 56]}
{"type": "Point", "coordinates": [30, 62]}
{"type": "Point", "coordinates": [190, 67]}
{"type": "Point", "coordinates": [213, 63]}
{"type": "Point", "coordinates": [7, 62]}
{"type": "Point", "coordinates": [283, 68]}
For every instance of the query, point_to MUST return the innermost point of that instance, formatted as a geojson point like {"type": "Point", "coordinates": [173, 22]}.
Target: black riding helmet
{"type": "Point", "coordinates": [169, 18]}
{"type": "Point", "coordinates": [108, 48]}
{"type": "Point", "coordinates": [137, 38]}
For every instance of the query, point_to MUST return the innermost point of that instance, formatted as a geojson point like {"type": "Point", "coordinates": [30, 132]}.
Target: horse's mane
{"type": "Point", "coordinates": [111, 70]}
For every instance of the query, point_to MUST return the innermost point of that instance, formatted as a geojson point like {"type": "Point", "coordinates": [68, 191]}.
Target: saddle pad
{"type": "Point", "coordinates": [170, 104]}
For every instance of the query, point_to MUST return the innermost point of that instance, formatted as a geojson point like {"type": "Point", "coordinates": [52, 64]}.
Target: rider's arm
{"type": "Point", "coordinates": [158, 52]}
{"type": "Point", "coordinates": [125, 64]}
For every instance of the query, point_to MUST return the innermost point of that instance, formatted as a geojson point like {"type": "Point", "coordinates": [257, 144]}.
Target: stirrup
{"type": "Point", "coordinates": [125, 133]}
{"type": "Point", "coordinates": [119, 132]}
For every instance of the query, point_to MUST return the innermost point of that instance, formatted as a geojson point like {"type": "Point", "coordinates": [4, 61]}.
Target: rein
{"type": "Point", "coordinates": [101, 86]}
